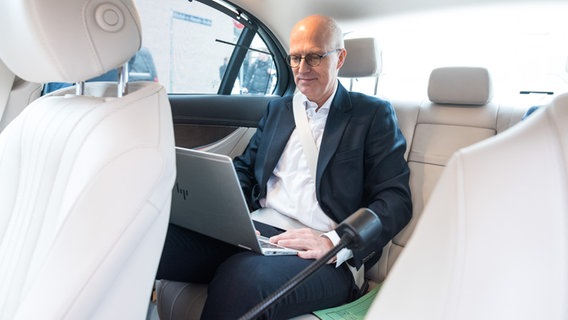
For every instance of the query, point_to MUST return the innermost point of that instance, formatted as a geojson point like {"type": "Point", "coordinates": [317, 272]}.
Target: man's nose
{"type": "Point", "coordinates": [303, 66]}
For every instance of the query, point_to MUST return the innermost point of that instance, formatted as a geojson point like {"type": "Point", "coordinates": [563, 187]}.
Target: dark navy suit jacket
{"type": "Point", "coordinates": [360, 163]}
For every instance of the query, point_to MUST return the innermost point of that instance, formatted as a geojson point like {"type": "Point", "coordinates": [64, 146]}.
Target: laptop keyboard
{"type": "Point", "coordinates": [266, 244]}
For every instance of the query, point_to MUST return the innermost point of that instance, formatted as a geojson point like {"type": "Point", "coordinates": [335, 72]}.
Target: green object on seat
{"type": "Point", "coordinates": [354, 310]}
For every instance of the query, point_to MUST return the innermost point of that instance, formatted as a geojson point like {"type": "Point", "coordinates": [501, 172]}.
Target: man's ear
{"type": "Point", "coordinates": [341, 60]}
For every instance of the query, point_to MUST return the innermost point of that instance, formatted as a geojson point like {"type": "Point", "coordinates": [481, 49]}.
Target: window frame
{"type": "Point", "coordinates": [252, 26]}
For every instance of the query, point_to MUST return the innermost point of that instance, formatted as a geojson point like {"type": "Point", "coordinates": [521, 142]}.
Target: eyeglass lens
{"type": "Point", "coordinates": [311, 59]}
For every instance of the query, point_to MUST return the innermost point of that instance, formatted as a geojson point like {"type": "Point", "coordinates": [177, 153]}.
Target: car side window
{"type": "Point", "coordinates": [201, 49]}
{"type": "Point", "coordinates": [257, 74]}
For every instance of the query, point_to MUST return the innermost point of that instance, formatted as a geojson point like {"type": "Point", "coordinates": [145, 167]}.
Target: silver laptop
{"type": "Point", "coordinates": [207, 198]}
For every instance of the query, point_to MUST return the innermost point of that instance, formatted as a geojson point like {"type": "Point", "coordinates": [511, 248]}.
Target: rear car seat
{"type": "Point", "coordinates": [434, 130]}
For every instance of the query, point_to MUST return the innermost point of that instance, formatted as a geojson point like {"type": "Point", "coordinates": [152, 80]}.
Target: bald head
{"type": "Point", "coordinates": [322, 29]}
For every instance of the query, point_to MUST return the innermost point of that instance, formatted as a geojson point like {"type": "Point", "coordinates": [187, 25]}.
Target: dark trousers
{"type": "Point", "coordinates": [239, 279]}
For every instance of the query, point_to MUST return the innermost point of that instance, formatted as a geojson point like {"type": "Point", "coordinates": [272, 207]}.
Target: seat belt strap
{"type": "Point", "coordinates": [6, 82]}
{"type": "Point", "coordinates": [306, 137]}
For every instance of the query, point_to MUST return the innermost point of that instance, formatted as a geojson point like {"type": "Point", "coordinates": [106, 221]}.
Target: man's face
{"type": "Point", "coordinates": [316, 82]}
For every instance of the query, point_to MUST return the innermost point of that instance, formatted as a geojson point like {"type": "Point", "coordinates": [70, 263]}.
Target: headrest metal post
{"type": "Point", "coordinates": [122, 87]}
{"type": "Point", "coordinates": [376, 83]}
{"type": "Point", "coordinates": [80, 88]}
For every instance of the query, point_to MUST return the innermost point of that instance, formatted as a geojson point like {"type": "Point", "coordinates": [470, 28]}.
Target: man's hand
{"type": "Point", "coordinates": [310, 243]}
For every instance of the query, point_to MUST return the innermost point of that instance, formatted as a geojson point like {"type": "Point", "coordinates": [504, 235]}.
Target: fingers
{"type": "Point", "coordinates": [304, 233]}
{"type": "Point", "coordinates": [309, 254]}
{"type": "Point", "coordinates": [310, 243]}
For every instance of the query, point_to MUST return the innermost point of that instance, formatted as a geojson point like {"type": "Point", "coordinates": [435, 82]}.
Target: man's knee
{"type": "Point", "coordinates": [245, 274]}
{"type": "Point", "coordinates": [240, 283]}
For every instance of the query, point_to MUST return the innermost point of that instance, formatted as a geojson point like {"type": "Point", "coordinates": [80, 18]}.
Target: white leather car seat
{"type": "Point", "coordinates": [15, 95]}
{"type": "Point", "coordinates": [85, 180]}
{"type": "Point", "coordinates": [492, 242]}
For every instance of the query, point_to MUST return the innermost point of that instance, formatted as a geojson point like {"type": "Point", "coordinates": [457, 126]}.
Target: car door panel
{"type": "Point", "coordinates": [215, 123]}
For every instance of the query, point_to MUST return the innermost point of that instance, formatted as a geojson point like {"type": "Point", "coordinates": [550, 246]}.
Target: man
{"type": "Point", "coordinates": [223, 67]}
{"type": "Point", "coordinates": [259, 75]}
{"type": "Point", "coordinates": [360, 164]}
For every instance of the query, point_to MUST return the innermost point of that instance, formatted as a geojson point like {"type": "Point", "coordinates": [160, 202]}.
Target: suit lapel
{"type": "Point", "coordinates": [337, 120]}
{"type": "Point", "coordinates": [279, 136]}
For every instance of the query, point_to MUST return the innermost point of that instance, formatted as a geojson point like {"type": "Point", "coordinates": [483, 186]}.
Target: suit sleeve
{"type": "Point", "coordinates": [386, 188]}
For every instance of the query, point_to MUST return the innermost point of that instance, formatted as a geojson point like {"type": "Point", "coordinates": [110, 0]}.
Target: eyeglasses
{"type": "Point", "coordinates": [312, 59]}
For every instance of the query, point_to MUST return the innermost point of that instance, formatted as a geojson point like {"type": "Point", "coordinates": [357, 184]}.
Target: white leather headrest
{"type": "Point", "coordinates": [363, 58]}
{"type": "Point", "coordinates": [460, 85]}
{"type": "Point", "coordinates": [67, 40]}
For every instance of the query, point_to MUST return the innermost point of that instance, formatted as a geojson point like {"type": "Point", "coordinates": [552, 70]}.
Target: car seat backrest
{"type": "Point", "coordinates": [85, 180]}
{"type": "Point", "coordinates": [459, 112]}
{"type": "Point", "coordinates": [492, 241]}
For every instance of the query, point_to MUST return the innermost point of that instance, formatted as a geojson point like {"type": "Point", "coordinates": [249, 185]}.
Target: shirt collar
{"type": "Point", "coordinates": [326, 105]}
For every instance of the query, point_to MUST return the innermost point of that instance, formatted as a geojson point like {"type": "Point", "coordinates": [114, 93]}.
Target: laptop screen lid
{"type": "Point", "coordinates": [207, 198]}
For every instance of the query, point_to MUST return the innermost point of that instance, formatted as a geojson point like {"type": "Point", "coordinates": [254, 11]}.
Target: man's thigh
{"type": "Point", "coordinates": [191, 257]}
{"type": "Point", "coordinates": [245, 279]}
{"type": "Point", "coordinates": [188, 256]}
